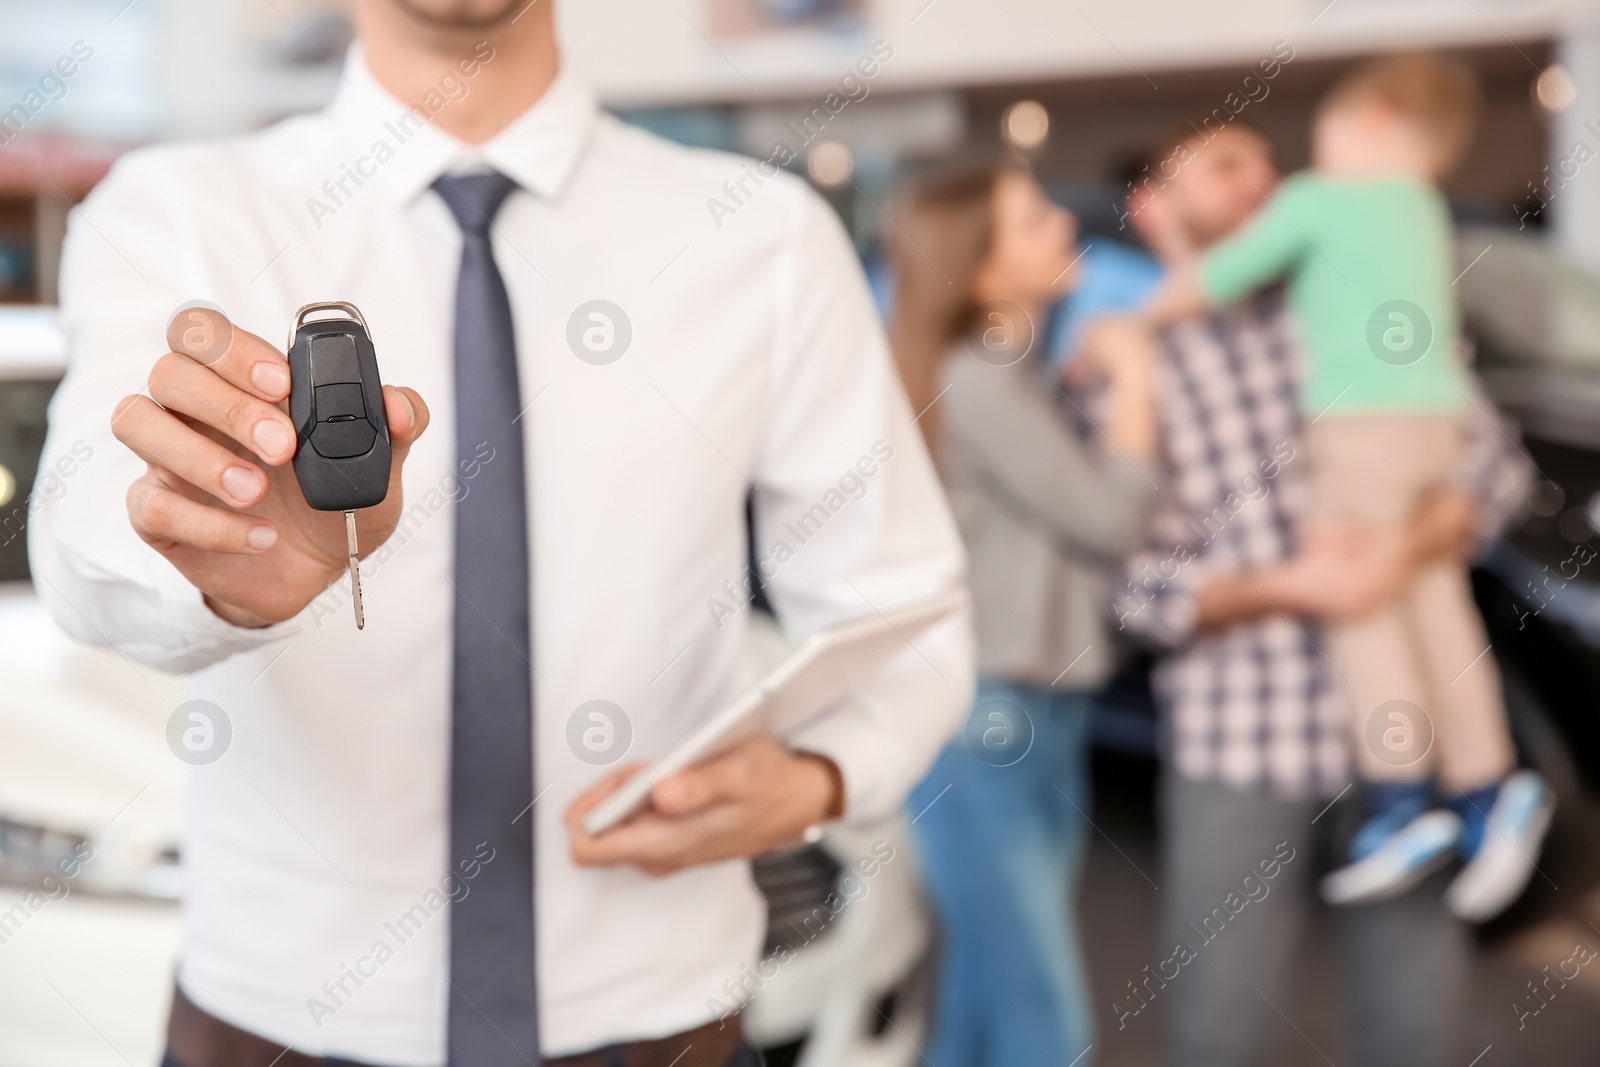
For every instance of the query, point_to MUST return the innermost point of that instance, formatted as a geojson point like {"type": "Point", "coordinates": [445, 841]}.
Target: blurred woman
{"type": "Point", "coordinates": [1044, 506]}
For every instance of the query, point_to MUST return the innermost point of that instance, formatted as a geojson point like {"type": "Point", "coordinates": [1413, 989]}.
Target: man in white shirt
{"type": "Point", "coordinates": [663, 369]}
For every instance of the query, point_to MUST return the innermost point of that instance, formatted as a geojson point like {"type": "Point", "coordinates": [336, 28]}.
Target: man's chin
{"type": "Point", "coordinates": [463, 14]}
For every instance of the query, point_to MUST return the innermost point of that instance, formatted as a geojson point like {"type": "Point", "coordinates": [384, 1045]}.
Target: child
{"type": "Point", "coordinates": [1363, 242]}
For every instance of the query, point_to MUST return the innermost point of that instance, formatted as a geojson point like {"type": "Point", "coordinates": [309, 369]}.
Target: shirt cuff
{"type": "Point", "coordinates": [203, 636]}
{"type": "Point", "coordinates": [870, 757]}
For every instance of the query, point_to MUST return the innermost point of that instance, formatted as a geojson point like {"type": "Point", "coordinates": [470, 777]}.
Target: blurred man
{"type": "Point", "coordinates": [1257, 735]}
{"type": "Point", "coordinates": [378, 867]}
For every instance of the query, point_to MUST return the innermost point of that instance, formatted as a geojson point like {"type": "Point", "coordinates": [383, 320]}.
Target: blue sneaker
{"type": "Point", "coordinates": [1402, 843]}
{"type": "Point", "coordinates": [1505, 826]}
{"type": "Point", "coordinates": [1391, 806]}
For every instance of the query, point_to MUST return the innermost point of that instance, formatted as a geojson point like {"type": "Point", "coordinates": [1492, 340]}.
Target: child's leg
{"type": "Point", "coordinates": [1472, 735]}
{"type": "Point", "coordinates": [1472, 739]}
{"type": "Point", "coordinates": [1370, 469]}
{"type": "Point", "coordinates": [1383, 666]}
{"type": "Point", "coordinates": [1504, 812]}
{"type": "Point", "coordinates": [1428, 648]}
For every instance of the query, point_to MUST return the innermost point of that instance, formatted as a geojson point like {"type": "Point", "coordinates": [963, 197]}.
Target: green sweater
{"type": "Point", "coordinates": [1368, 265]}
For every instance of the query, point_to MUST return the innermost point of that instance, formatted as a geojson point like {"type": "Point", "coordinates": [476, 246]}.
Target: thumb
{"type": "Point", "coordinates": [696, 788]}
{"type": "Point", "coordinates": [408, 418]}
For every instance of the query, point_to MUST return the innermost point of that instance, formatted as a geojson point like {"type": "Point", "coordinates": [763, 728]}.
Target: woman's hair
{"type": "Point", "coordinates": [943, 231]}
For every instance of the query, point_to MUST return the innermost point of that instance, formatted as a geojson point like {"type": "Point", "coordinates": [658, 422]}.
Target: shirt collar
{"type": "Point", "coordinates": [538, 150]}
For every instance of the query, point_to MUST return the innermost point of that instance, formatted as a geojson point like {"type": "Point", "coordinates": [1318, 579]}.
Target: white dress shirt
{"type": "Point", "coordinates": [755, 360]}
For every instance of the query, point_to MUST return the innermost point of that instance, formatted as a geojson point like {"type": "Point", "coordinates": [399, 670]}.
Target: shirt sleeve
{"type": "Point", "coordinates": [1493, 469]}
{"type": "Point", "coordinates": [127, 265]}
{"type": "Point", "coordinates": [840, 438]}
{"type": "Point", "coordinates": [1092, 499]}
{"type": "Point", "coordinates": [1263, 251]}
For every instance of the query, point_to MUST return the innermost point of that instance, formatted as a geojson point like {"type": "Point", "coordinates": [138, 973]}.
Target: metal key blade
{"type": "Point", "coordinates": [355, 567]}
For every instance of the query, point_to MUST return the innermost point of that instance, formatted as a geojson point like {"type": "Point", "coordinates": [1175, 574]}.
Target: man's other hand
{"type": "Point", "coordinates": [1344, 572]}
{"type": "Point", "coordinates": [1347, 572]}
{"type": "Point", "coordinates": [755, 797]}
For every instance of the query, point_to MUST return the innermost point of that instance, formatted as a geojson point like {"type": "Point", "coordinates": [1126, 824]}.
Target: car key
{"type": "Point", "coordinates": [342, 453]}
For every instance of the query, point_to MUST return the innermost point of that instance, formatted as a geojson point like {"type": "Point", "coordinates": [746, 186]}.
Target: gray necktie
{"type": "Point", "coordinates": [493, 1000]}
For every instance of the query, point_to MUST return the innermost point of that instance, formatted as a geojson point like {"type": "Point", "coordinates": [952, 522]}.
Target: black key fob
{"type": "Point", "coordinates": [336, 403]}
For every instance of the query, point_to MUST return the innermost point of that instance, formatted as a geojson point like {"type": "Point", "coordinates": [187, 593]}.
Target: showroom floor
{"type": "Point", "coordinates": [1120, 924]}
{"type": "Point", "coordinates": [84, 981]}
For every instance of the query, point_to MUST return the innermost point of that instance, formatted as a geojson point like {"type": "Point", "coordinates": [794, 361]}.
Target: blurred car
{"type": "Point", "coordinates": [83, 751]}
{"type": "Point", "coordinates": [91, 797]}
{"type": "Point", "coordinates": [1535, 320]}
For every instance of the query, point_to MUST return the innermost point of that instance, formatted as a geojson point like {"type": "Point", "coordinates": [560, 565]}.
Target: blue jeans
{"type": "Point", "coordinates": [1000, 825]}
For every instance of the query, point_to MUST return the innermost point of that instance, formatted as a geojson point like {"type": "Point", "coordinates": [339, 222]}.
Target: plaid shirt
{"type": "Point", "coordinates": [1256, 706]}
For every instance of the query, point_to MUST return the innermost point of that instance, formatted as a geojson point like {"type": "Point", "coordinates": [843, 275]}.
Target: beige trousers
{"type": "Point", "coordinates": [1424, 698]}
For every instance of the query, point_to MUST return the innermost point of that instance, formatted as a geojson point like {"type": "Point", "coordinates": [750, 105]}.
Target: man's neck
{"type": "Point", "coordinates": [411, 59]}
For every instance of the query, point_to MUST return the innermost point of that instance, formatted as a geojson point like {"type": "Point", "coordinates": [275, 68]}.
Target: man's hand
{"type": "Point", "coordinates": [1445, 526]}
{"type": "Point", "coordinates": [1340, 573]}
{"type": "Point", "coordinates": [1349, 572]}
{"type": "Point", "coordinates": [219, 499]}
{"type": "Point", "coordinates": [1344, 572]}
{"type": "Point", "coordinates": [753, 798]}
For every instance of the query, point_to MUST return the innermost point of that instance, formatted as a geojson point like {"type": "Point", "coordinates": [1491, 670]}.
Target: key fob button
{"type": "Point", "coordinates": [343, 438]}
{"type": "Point", "coordinates": [334, 359]}
{"type": "Point", "coordinates": [342, 428]}
{"type": "Point", "coordinates": [339, 401]}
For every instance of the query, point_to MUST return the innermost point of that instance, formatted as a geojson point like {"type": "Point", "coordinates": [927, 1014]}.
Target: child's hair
{"type": "Point", "coordinates": [1438, 97]}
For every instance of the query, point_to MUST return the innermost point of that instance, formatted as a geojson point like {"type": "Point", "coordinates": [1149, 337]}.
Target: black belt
{"type": "Point", "coordinates": [195, 1038]}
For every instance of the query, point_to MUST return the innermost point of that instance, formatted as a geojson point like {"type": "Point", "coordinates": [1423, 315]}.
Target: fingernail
{"type": "Point", "coordinates": [262, 537]}
{"type": "Point", "coordinates": [272, 379]}
{"type": "Point", "coordinates": [242, 483]}
{"type": "Point", "coordinates": [272, 437]}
